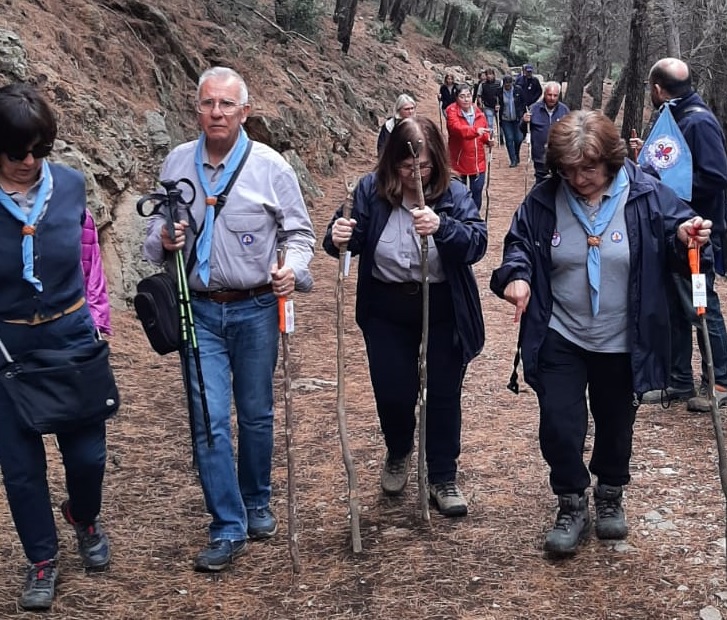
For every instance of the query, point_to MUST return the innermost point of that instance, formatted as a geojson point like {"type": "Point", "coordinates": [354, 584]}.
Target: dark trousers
{"type": "Point", "coordinates": [565, 372]}
{"type": "Point", "coordinates": [541, 171]}
{"type": "Point", "coordinates": [393, 335]}
{"type": "Point", "coordinates": [683, 316]}
{"type": "Point", "coordinates": [475, 183]}
{"type": "Point", "coordinates": [513, 139]}
{"type": "Point", "coordinates": [22, 453]}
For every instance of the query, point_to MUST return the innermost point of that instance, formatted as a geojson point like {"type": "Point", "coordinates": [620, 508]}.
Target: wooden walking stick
{"type": "Point", "coordinates": [636, 150]}
{"type": "Point", "coordinates": [528, 139]}
{"type": "Point", "coordinates": [286, 326]}
{"type": "Point", "coordinates": [344, 258]}
{"type": "Point", "coordinates": [487, 182]}
{"type": "Point", "coordinates": [699, 300]}
{"type": "Point", "coordinates": [422, 447]}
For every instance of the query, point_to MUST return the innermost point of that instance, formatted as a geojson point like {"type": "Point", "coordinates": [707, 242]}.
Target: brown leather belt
{"type": "Point", "coordinates": [37, 319]}
{"type": "Point", "coordinates": [225, 295]}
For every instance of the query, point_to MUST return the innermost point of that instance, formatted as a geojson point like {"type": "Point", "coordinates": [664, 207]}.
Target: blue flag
{"type": "Point", "coordinates": [666, 151]}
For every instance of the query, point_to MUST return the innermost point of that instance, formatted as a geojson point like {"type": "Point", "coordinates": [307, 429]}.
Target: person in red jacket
{"type": "Point", "coordinates": [468, 137]}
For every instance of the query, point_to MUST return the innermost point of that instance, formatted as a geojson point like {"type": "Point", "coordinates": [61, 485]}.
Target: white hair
{"type": "Point", "coordinates": [401, 101]}
{"type": "Point", "coordinates": [552, 86]}
{"type": "Point", "coordinates": [224, 73]}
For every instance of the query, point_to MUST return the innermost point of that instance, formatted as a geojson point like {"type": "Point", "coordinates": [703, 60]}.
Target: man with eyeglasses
{"type": "Point", "coordinates": [468, 136]}
{"type": "Point", "coordinates": [235, 285]}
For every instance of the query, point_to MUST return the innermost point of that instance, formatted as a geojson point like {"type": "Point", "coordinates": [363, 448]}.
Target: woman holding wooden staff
{"type": "Point", "coordinates": [384, 230]}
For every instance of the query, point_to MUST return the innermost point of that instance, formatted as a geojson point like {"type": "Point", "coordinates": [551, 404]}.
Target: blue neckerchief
{"type": "Point", "coordinates": [595, 229]}
{"type": "Point", "coordinates": [204, 241]}
{"type": "Point", "coordinates": [29, 221]}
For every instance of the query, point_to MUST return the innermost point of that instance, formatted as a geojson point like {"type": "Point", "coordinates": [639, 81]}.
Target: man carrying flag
{"type": "Point", "coordinates": [671, 84]}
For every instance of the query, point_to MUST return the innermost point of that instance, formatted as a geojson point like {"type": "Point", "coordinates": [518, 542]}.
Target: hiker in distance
{"type": "Point", "coordinates": [586, 264]}
{"type": "Point", "coordinates": [235, 283]}
{"type": "Point", "coordinates": [384, 229]}
{"type": "Point", "coordinates": [43, 307]}
{"type": "Point", "coordinates": [671, 85]}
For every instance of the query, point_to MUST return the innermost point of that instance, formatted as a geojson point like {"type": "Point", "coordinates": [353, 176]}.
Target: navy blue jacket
{"type": "Point", "coordinates": [57, 249]}
{"type": "Point", "coordinates": [653, 213]}
{"type": "Point", "coordinates": [519, 102]}
{"type": "Point", "coordinates": [703, 134]}
{"type": "Point", "coordinates": [540, 123]}
{"type": "Point", "coordinates": [461, 241]}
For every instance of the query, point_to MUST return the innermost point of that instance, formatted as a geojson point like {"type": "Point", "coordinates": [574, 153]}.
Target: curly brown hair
{"type": "Point", "coordinates": [585, 138]}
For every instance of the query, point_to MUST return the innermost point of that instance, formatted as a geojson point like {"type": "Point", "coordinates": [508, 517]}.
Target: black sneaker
{"type": "Point", "coordinates": [93, 543]}
{"type": "Point", "coordinates": [571, 525]}
{"type": "Point", "coordinates": [218, 555]}
{"type": "Point", "coordinates": [610, 517]}
{"type": "Point", "coordinates": [40, 586]}
{"type": "Point", "coordinates": [261, 523]}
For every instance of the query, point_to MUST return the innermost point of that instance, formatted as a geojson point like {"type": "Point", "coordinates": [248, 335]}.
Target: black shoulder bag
{"type": "Point", "coordinates": [157, 297]}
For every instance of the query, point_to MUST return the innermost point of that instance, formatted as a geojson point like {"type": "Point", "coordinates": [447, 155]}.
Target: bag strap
{"type": "Point", "coordinates": [221, 200]}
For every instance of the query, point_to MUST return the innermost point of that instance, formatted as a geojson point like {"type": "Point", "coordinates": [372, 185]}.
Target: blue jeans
{"type": "Point", "coordinates": [22, 452]}
{"type": "Point", "coordinates": [683, 316]}
{"type": "Point", "coordinates": [475, 183]}
{"type": "Point", "coordinates": [513, 139]}
{"type": "Point", "coordinates": [238, 344]}
{"type": "Point", "coordinates": [490, 116]}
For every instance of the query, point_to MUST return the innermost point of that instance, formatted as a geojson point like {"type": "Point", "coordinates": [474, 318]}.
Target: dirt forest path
{"type": "Point", "coordinates": [486, 566]}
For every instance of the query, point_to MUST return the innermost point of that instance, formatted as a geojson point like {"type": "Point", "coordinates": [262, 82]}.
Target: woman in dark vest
{"type": "Point", "coordinates": [42, 306]}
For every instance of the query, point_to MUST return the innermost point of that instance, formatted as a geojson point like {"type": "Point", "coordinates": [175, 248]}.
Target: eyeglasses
{"type": "Point", "coordinates": [589, 173]}
{"type": "Point", "coordinates": [226, 106]}
{"type": "Point", "coordinates": [39, 151]}
{"type": "Point", "coordinates": [408, 169]}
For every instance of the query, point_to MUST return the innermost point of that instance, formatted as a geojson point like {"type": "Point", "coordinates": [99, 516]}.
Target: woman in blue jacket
{"type": "Point", "coordinates": [586, 263]}
{"type": "Point", "coordinates": [384, 229]}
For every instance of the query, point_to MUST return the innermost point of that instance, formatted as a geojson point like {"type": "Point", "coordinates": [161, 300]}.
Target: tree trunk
{"type": "Point", "coordinates": [383, 10]}
{"type": "Point", "coordinates": [670, 16]}
{"type": "Point", "coordinates": [574, 53]}
{"type": "Point", "coordinates": [283, 12]}
{"type": "Point", "coordinates": [508, 28]}
{"type": "Point", "coordinates": [346, 17]}
{"type": "Point", "coordinates": [450, 26]}
{"type": "Point", "coordinates": [638, 35]}
{"type": "Point", "coordinates": [399, 12]}
{"type": "Point", "coordinates": [617, 96]}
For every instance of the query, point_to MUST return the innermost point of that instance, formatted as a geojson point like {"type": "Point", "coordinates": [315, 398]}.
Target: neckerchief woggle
{"type": "Point", "coordinates": [596, 228]}
{"type": "Point", "coordinates": [204, 241]}
{"type": "Point", "coordinates": [29, 221]}
{"type": "Point", "coordinates": [667, 152]}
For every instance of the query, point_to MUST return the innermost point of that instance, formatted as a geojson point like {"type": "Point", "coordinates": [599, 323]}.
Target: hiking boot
{"type": "Point", "coordinates": [666, 397]}
{"type": "Point", "coordinates": [448, 499]}
{"type": "Point", "coordinates": [93, 543]}
{"type": "Point", "coordinates": [395, 474]}
{"type": "Point", "coordinates": [610, 518]}
{"type": "Point", "coordinates": [40, 586]}
{"type": "Point", "coordinates": [702, 402]}
{"type": "Point", "coordinates": [218, 555]}
{"type": "Point", "coordinates": [571, 525]}
{"type": "Point", "coordinates": [261, 523]}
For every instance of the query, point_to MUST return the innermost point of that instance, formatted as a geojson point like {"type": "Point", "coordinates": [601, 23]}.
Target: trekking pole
{"type": "Point", "coordinates": [170, 201]}
{"type": "Point", "coordinates": [439, 107]}
{"type": "Point", "coordinates": [699, 301]}
{"type": "Point", "coordinates": [344, 261]}
{"type": "Point", "coordinates": [530, 150]}
{"type": "Point", "coordinates": [487, 182]}
{"type": "Point", "coordinates": [286, 327]}
{"type": "Point", "coordinates": [422, 443]}
{"type": "Point", "coordinates": [636, 150]}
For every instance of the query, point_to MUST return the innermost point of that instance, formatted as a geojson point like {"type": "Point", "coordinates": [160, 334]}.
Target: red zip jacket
{"type": "Point", "coordinates": [466, 148]}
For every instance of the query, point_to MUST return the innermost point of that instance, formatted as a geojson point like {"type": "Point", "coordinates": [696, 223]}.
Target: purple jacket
{"type": "Point", "coordinates": [93, 275]}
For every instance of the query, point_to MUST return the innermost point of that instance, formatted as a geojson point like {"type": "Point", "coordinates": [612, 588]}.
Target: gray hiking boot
{"type": "Point", "coordinates": [395, 474]}
{"type": "Point", "coordinates": [571, 525]}
{"type": "Point", "coordinates": [610, 517]}
{"type": "Point", "coordinates": [702, 402]}
{"type": "Point", "coordinates": [666, 397]}
{"type": "Point", "coordinates": [40, 586]}
{"type": "Point", "coordinates": [448, 499]}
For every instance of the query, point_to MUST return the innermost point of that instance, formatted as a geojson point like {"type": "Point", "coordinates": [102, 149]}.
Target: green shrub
{"type": "Point", "coordinates": [305, 16]}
